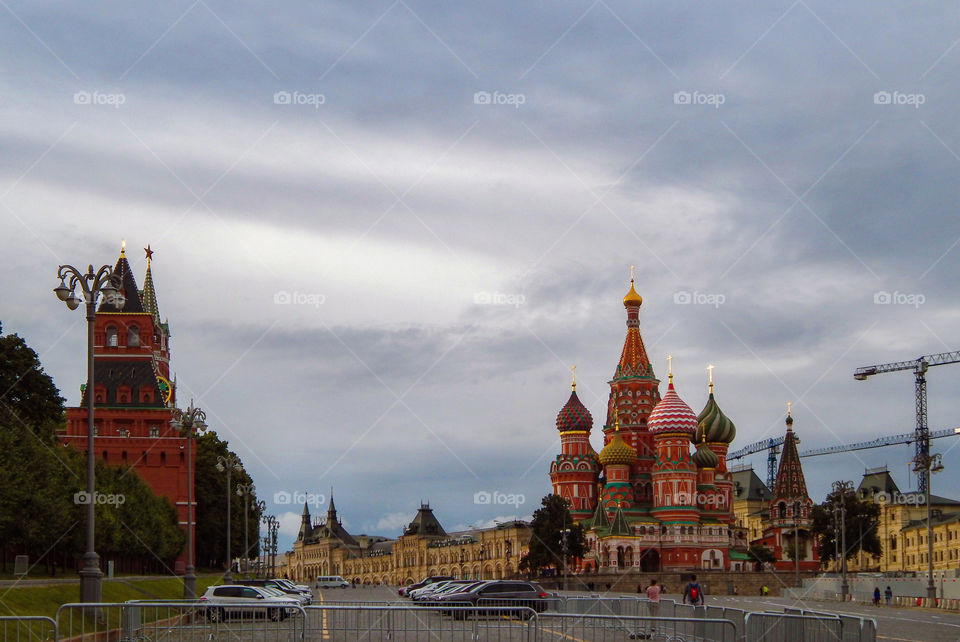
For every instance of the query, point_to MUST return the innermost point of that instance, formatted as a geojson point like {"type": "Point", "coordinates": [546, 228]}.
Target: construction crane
{"type": "Point", "coordinates": [922, 433]}
{"type": "Point", "coordinates": [772, 445]}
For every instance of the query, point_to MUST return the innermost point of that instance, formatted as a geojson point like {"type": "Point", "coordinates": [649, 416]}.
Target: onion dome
{"type": "Point", "coordinates": [574, 415]}
{"type": "Point", "coordinates": [633, 299]}
{"type": "Point", "coordinates": [617, 452]}
{"type": "Point", "coordinates": [714, 426]}
{"type": "Point", "coordinates": [671, 414]}
{"type": "Point", "coordinates": [704, 457]}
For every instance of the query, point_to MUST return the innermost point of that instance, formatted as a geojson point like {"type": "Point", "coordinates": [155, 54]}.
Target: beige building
{"type": "Point", "coordinates": [902, 527]}
{"type": "Point", "coordinates": [751, 502]}
{"type": "Point", "coordinates": [423, 549]}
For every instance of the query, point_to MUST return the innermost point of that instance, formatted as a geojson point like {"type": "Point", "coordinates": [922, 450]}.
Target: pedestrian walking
{"type": "Point", "coordinates": [888, 595]}
{"type": "Point", "coordinates": [876, 596]}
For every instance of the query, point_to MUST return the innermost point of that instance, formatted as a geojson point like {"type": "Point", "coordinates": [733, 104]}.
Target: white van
{"type": "Point", "coordinates": [331, 581]}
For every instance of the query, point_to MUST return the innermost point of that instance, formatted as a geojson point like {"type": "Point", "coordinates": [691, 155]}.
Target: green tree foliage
{"type": "Point", "coordinates": [212, 501]}
{"type": "Point", "coordinates": [27, 393]}
{"type": "Point", "coordinates": [760, 555]}
{"type": "Point", "coordinates": [862, 518]}
{"type": "Point", "coordinates": [546, 542]}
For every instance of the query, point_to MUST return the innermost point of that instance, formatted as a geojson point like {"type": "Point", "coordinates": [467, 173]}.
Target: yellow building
{"type": "Point", "coordinates": [902, 527]}
{"type": "Point", "coordinates": [751, 502]}
{"type": "Point", "coordinates": [423, 549]}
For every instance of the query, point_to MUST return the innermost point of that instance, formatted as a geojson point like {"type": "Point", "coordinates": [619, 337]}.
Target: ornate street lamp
{"type": "Point", "coordinates": [228, 463]}
{"type": "Point", "coordinates": [259, 507]}
{"type": "Point", "coordinates": [188, 423]}
{"type": "Point", "coordinates": [271, 540]}
{"type": "Point", "coordinates": [92, 285]}
{"type": "Point", "coordinates": [246, 491]}
{"type": "Point", "coordinates": [926, 463]}
{"type": "Point", "coordinates": [841, 488]}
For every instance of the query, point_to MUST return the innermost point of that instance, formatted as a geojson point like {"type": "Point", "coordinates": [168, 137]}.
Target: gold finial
{"type": "Point", "coordinates": [123, 246]}
{"type": "Point", "coordinates": [616, 418]}
{"type": "Point", "coordinates": [632, 299]}
{"type": "Point", "coordinates": [710, 377]}
{"type": "Point", "coordinates": [631, 274]}
{"type": "Point", "coordinates": [573, 378]}
{"type": "Point", "coordinates": [669, 368]}
{"type": "Point", "coordinates": [788, 408]}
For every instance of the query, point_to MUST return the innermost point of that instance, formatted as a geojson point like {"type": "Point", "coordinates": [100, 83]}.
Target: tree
{"type": "Point", "coordinates": [212, 500]}
{"type": "Point", "coordinates": [760, 555]}
{"type": "Point", "coordinates": [27, 393]}
{"type": "Point", "coordinates": [862, 518]}
{"type": "Point", "coordinates": [547, 536]}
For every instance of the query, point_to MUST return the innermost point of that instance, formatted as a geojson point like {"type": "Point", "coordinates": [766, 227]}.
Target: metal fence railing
{"type": "Point", "coordinates": [180, 621]}
{"type": "Point", "coordinates": [27, 628]}
{"type": "Point", "coordinates": [853, 628]}
{"type": "Point", "coordinates": [785, 627]}
{"type": "Point", "coordinates": [603, 628]}
{"type": "Point", "coordinates": [455, 622]}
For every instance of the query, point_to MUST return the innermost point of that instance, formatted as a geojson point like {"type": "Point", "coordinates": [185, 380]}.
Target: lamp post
{"type": "Point", "coordinates": [246, 491]}
{"type": "Point", "coordinates": [271, 539]}
{"type": "Point", "coordinates": [259, 507]}
{"type": "Point", "coordinates": [92, 285]}
{"type": "Point", "coordinates": [188, 422]}
{"type": "Point", "coordinates": [841, 488]}
{"type": "Point", "coordinates": [228, 463]}
{"type": "Point", "coordinates": [926, 463]}
{"type": "Point", "coordinates": [796, 541]}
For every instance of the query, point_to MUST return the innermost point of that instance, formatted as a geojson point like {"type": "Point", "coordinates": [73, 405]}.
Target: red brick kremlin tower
{"type": "Point", "coordinates": [657, 504]}
{"type": "Point", "coordinates": [133, 394]}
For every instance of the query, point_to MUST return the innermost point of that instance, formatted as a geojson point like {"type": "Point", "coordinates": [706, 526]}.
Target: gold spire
{"type": "Point", "coordinates": [669, 368]}
{"type": "Point", "coordinates": [632, 299]}
{"type": "Point", "coordinates": [788, 408]}
{"type": "Point", "coordinates": [573, 378]}
{"type": "Point", "coordinates": [123, 247]}
{"type": "Point", "coordinates": [710, 376]}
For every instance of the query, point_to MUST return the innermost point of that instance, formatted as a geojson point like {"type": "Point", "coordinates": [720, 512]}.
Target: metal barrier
{"type": "Point", "coordinates": [181, 621]}
{"type": "Point", "coordinates": [854, 628]}
{"type": "Point", "coordinates": [21, 628]}
{"type": "Point", "coordinates": [453, 621]}
{"type": "Point", "coordinates": [600, 628]}
{"type": "Point", "coordinates": [785, 627]}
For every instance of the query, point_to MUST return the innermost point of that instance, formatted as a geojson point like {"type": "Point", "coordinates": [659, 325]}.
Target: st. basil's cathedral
{"type": "Point", "coordinates": [646, 501]}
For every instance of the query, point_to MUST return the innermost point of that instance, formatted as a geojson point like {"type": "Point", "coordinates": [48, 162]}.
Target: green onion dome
{"type": "Point", "coordinates": [574, 415]}
{"type": "Point", "coordinates": [704, 457]}
{"type": "Point", "coordinates": [713, 426]}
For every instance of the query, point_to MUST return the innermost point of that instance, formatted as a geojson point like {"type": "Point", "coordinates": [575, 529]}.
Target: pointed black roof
{"type": "Point", "coordinates": [620, 526]}
{"type": "Point", "coordinates": [128, 299]}
{"type": "Point", "coordinates": [425, 523]}
{"type": "Point", "coordinates": [600, 519]}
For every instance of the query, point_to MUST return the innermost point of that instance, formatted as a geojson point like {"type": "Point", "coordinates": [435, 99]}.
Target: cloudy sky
{"type": "Point", "coordinates": [385, 230]}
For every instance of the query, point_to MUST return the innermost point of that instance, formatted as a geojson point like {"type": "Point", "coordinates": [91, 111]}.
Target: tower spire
{"type": "Point", "coordinates": [633, 359]}
{"type": "Point", "coordinates": [149, 294]}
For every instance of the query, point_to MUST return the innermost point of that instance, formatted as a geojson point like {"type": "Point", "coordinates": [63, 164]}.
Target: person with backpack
{"type": "Point", "coordinates": [888, 595]}
{"type": "Point", "coordinates": [693, 592]}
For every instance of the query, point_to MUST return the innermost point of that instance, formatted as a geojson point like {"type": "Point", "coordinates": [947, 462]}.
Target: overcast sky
{"type": "Point", "coordinates": [384, 231]}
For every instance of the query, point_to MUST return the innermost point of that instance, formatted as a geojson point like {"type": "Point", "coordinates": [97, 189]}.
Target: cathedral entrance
{"type": "Point", "coordinates": [649, 560]}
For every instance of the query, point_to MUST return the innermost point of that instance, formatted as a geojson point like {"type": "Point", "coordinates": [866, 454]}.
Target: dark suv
{"type": "Point", "coordinates": [498, 593]}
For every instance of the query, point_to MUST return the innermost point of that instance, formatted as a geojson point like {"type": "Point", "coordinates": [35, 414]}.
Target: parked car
{"type": "Point", "coordinates": [300, 587]}
{"type": "Point", "coordinates": [331, 581]}
{"type": "Point", "coordinates": [460, 587]}
{"type": "Point", "coordinates": [497, 593]}
{"type": "Point", "coordinates": [224, 601]}
{"type": "Point", "coordinates": [433, 588]}
{"type": "Point", "coordinates": [304, 597]}
{"type": "Point", "coordinates": [405, 590]}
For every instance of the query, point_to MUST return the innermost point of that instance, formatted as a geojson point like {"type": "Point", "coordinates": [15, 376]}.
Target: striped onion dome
{"type": "Point", "coordinates": [671, 414]}
{"type": "Point", "coordinates": [574, 415]}
{"type": "Point", "coordinates": [714, 426]}
{"type": "Point", "coordinates": [617, 452]}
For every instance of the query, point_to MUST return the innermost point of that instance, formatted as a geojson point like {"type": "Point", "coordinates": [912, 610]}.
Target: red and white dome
{"type": "Point", "coordinates": [671, 414]}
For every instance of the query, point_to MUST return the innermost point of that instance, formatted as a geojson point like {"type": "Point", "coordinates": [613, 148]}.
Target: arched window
{"type": "Point", "coordinates": [782, 510]}
{"type": "Point", "coordinates": [133, 337]}
{"type": "Point", "coordinates": [111, 336]}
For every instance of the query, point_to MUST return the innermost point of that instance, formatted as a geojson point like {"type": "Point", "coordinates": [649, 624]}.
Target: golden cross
{"type": "Point", "coordinates": [788, 408]}
{"type": "Point", "coordinates": [573, 377]}
{"type": "Point", "coordinates": [631, 274]}
{"type": "Point", "coordinates": [670, 367]}
{"type": "Point", "coordinates": [710, 376]}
